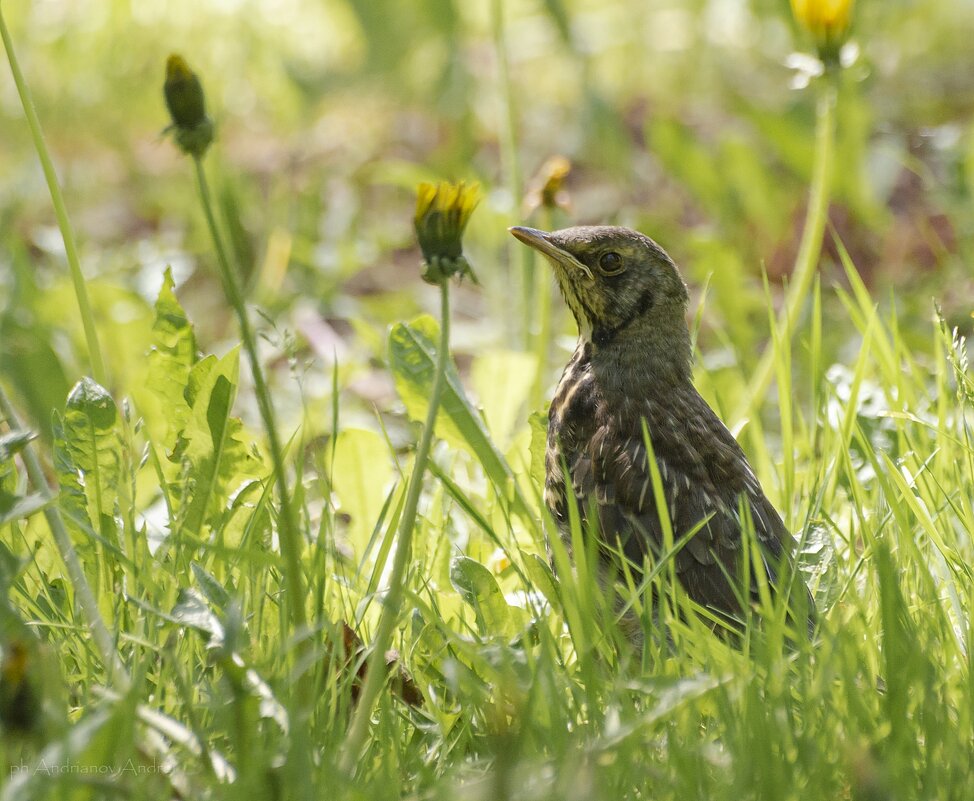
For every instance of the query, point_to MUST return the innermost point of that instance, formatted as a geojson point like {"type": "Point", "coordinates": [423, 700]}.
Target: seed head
{"type": "Point", "coordinates": [442, 213]}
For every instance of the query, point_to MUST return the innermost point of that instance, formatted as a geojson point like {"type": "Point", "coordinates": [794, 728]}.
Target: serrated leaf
{"type": "Point", "coordinates": [172, 329]}
{"type": "Point", "coordinates": [170, 360]}
{"type": "Point", "coordinates": [478, 588]}
{"type": "Point", "coordinates": [215, 460]}
{"type": "Point", "coordinates": [87, 455]}
{"type": "Point", "coordinates": [412, 357]}
{"type": "Point", "coordinates": [71, 493]}
{"type": "Point", "coordinates": [201, 376]}
{"type": "Point", "coordinates": [361, 475]}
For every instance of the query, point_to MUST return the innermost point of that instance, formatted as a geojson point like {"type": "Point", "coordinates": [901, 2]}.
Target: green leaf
{"type": "Point", "coordinates": [30, 366]}
{"type": "Point", "coordinates": [13, 505]}
{"type": "Point", "coordinates": [215, 460]}
{"type": "Point", "coordinates": [10, 565]}
{"type": "Point", "coordinates": [412, 356]}
{"type": "Point", "coordinates": [502, 380]}
{"type": "Point", "coordinates": [212, 589]}
{"type": "Point", "coordinates": [16, 507]}
{"type": "Point", "coordinates": [542, 577]}
{"type": "Point", "coordinates": [361, 476]}
{"type": "Point", "coordinates": [14, 442]}
{"type": "Point", "coordinates": [172, 330]}
{"type": "Point", "coordinates": [247, 519]}
{"type": "Point", "coordinates": [478, 588]}
{"type": "Point", "coordinates": [71, 493]}
{"type": "Point", "coordinates": [87, 456]}
{"type": "Point", "coordinates": [192, 610]}
{"type": "Point", "coordinates": [161, 399]}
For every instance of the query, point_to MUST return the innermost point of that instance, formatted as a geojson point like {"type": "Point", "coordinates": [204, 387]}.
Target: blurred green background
{"type": "Point", "coordinates": [682, 119]}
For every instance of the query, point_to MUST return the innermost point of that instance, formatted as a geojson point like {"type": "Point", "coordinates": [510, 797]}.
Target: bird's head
{"type": "Point", "coordinates": [621, 286]}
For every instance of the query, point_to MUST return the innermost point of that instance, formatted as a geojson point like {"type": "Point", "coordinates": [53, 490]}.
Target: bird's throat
{"type": "Point", "coordinates": [640, 360]}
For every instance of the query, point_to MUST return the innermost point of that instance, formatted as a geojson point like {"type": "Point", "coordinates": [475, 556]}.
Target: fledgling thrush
{"type": "Point", "coordinates": [633, 364]}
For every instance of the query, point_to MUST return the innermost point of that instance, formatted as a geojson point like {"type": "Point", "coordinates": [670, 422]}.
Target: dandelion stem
{"type": "Point", "coordinates": [288, 528]}
{"type": "Point", "coordinates": [82, 589]}
{"type": "Point", "coordinates": [809, 250]}
{"type": "Point", "coordinates": [60, 211]}
{"type": "Point", "coordinates": [392, 603]}
{"type": "Point", "coordinates": [511, 160]}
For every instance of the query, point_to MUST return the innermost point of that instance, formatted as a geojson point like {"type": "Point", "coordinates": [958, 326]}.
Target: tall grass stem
{"type": "Point", "coordinates": [288, 530]}
{"type": "Point", "coordinates": [511, 159]}
{"type": "Point", "coordinates": [392, 603]}
{"type": "Point", "coordinates": [60, 210]}
{"type": "Point", "coordinates": [809, 250]}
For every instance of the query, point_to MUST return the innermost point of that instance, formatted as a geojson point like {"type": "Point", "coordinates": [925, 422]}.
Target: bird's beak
{"type": "Point", "coordinates": [542, 242]}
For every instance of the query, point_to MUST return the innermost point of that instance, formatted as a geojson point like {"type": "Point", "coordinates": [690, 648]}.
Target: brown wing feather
{"type": "Point", "coordinates": [704, 473]}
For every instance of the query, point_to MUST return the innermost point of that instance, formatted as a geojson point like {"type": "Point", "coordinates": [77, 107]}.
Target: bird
{"type": "Point", "coordinates": [631, 375]}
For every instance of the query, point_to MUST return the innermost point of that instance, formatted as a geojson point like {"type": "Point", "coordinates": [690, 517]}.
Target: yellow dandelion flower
{"type": "Point", "coordinates": [442, 213]}
{"type": "Point", "coordinates": [827, 21]}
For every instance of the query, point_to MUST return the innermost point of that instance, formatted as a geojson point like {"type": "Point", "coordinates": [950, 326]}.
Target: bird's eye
{"type": "Point", "coordinates": [611, 263]}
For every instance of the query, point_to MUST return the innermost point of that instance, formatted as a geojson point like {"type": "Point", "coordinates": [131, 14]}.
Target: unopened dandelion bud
{"type": "Point", "coordinates": [192, 128]}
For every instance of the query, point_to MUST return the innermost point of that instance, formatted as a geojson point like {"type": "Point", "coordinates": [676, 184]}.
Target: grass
{"type": "Point", "coordinates": [508, 682]}
{"type": "Point", "coordinates": [543, 698]}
